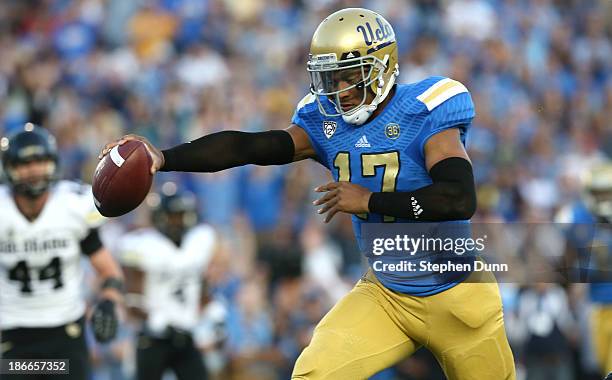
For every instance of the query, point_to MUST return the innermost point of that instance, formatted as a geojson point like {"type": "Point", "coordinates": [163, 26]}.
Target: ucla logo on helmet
{"type": "Point", "coordinates": [392, 131]}
{"type": "Point", "coordinates": [379, 34]}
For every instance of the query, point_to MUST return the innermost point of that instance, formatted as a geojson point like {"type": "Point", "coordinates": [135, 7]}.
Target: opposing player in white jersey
{"type": "Point", "coordinates": [46, 226]}
{"type": "Point", "coordinates": [164, 267]}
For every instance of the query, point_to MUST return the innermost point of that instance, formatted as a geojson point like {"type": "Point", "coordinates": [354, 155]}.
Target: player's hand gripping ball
{"type": "Point", "coordinates": [122, 178]}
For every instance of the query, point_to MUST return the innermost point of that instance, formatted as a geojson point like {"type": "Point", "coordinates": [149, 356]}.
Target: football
{"type": "Point", "coordinates": [122, 179]}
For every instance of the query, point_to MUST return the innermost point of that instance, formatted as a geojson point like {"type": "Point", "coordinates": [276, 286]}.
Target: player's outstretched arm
{"type": "Point", "coordinates": [228, 149]}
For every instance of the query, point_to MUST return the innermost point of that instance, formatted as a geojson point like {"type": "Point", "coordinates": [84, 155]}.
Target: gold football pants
{"type": "Point", "coordinates": [372, 328]}
{"type": "Point", "coordinates": [602, 336]}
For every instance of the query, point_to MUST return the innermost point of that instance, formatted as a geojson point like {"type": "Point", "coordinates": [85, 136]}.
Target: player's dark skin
{"type": "Point", "coordinates": [338, 196]}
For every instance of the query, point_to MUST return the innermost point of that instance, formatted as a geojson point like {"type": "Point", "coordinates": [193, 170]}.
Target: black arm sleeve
{"type": "Point", "coordinates": [451, 196]}
{"type": "Point", "coordinates": [227, 149]}
{"type": "Point", "coordinates": [91, 243]}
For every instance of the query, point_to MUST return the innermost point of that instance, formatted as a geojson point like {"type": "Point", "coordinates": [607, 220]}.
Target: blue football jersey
{"type": "Point", "coordinates": [387, 152]}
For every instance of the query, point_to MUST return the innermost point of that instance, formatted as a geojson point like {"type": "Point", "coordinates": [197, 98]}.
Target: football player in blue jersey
{"type": "Point", "coordinates": [397, 153]}
{"type": "Point", "coordinates": [589, 247]}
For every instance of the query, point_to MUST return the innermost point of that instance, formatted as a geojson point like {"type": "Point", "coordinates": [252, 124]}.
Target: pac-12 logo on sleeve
{"type": "Point", "coordinates": [329, 128]}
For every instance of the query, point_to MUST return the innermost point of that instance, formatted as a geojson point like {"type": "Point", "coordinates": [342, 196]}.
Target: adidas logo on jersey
{"type": "Point", "coordinates": [416, 208]}
{"type": "Point", "coordinates": [362, 142]}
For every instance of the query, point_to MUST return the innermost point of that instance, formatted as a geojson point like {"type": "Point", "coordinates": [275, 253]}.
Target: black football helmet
{"type": "Point", "coordinates": [174, 211]}
{"type": "Point", "coordinates": [609, 377]}
{"type": "Point", "coordinates": [31, 143]}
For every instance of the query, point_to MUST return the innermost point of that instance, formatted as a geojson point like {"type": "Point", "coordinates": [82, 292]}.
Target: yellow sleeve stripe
{"type": "Point", "coordinates": [306, 100]}
{"type": "Point", "coordinates": [441, 91]}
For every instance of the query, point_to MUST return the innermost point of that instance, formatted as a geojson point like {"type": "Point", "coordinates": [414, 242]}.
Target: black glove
{"type": "Point", "coordinates": [104, 321]}
{"type": "Point", "coordinates": [609, 377]}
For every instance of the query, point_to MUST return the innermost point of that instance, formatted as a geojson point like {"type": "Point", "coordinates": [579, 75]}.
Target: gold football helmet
{"type": "Point", "coordinates": [356, 46]}
{"type": "Point", "coordinates": [598, 191]}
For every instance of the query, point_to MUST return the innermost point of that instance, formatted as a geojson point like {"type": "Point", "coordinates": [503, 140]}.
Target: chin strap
{"type": "Point", "coordinates": [363, 113]}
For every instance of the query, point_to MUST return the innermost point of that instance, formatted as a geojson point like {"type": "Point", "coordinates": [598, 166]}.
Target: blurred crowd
{"type": "Point", "coordinates": [539, 72]}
